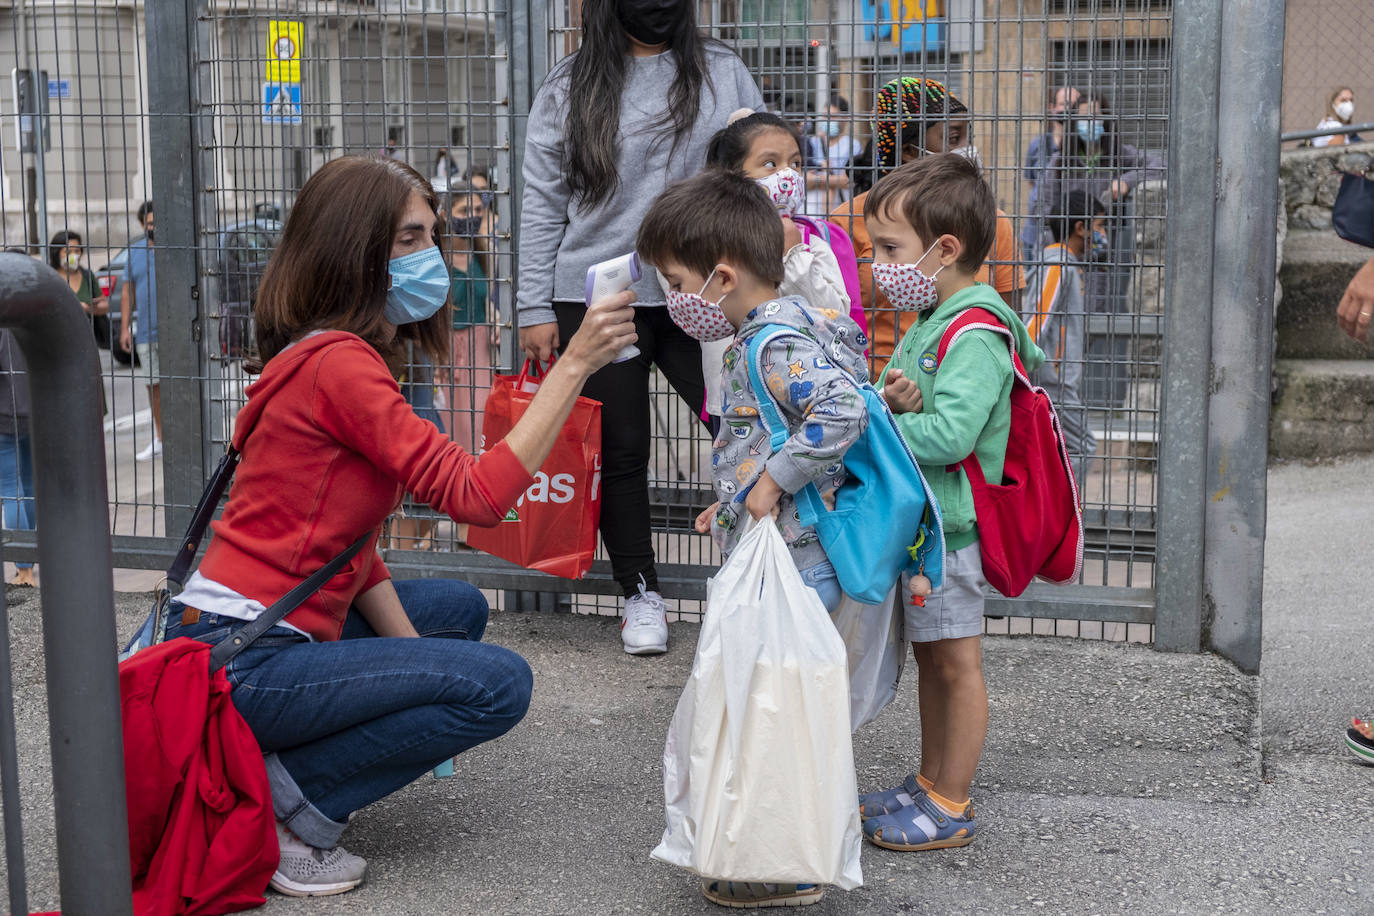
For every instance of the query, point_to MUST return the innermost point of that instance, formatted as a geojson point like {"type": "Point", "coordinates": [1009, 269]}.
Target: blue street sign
{"type": "Point", "coordinates": [59, 89]}
{"type": "Point", "coordinates": [281, 103]}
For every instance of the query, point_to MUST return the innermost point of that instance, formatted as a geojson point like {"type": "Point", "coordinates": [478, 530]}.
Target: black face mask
{"type": "Point", "coordinates": [652, 22]}
{"type": "Point", "coordinates": [465, 226]}
{"type": "Point", "coordinates": [150, 235]}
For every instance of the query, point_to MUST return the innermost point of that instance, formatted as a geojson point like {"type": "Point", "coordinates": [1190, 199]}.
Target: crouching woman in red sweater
{"type": "Point", "coordinates": [347, 704]}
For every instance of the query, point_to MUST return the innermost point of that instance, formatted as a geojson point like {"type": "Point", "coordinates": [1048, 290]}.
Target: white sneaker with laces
{"type": "Point", "coordinates": [150, 451]}
{"type": "Point", "coordinates": [306, 871]}
{"type": "Point", "coordinates": [644, 623]}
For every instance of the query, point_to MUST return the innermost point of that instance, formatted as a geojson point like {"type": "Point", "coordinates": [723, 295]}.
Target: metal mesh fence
{"type": "Point", "coordinates": [1326, 50]}
{"type": "Point", "coordinates": [276, 89]}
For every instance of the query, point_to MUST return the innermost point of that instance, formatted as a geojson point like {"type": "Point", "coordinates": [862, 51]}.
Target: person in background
{"type": "Point", "coordinates": [474, 332]}
{"type": "Point", "coordinates": [138, 296]}
{"type": "Point", "coordinates": [613, 125]}
{"type": "Point", "coordinates": [1038, 155]}
{"type": "Point", "coordinates": [828, 187]}
{"type": "Point", "coordinates": [1340, 110]}
{"type": "Point", "coordinates": [476, 176]}
{"type": "Point", "coordinates": [65, 253]}
{"type": "Point", "coordinates": [445, 169]}
{"type": "Point", "coordinates": [1056, 318]}
{"type": "Point", "coordinates": [64, 256]}
{"type": "Point", "coordinates": [917, 117]}
{"type": "Point", "coordinates": [1094, 159]}
{"type": "Point", "coordinates": [412, 528]}
{"type": "Point", "coordinates": [16, 458]}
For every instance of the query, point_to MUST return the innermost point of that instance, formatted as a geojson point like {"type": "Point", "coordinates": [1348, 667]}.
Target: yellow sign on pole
{"type": "Point", "coordinates": [283, 51]}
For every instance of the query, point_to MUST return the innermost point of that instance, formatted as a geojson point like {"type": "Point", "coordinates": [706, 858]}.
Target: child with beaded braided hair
{"type": "Point", "coordinates": [915, 117]}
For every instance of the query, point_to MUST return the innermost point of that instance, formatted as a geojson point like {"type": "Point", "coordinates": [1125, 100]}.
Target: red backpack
{"type": "Point", "coordinates": [1030, 525]}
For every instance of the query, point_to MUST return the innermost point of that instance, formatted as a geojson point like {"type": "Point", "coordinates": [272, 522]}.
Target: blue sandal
{"type": "Point", "coordinates": [923, 825]}
{"type": "Point", "coordinates": [875, 804]}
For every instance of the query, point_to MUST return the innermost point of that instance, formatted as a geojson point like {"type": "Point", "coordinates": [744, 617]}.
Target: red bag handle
{"type": "Point", "coordinates": [983, 320]}
{"type": "Point", "coordinates": [534, 370]}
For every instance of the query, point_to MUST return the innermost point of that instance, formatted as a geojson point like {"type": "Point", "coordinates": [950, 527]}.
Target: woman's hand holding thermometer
{"type": "Point", "coordinates": [608, 278]}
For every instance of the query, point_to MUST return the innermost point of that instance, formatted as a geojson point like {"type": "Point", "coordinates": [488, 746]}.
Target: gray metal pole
{"type": "Point", "coordinates": [174, 166]}
{"type": "Point", "coordinates": [1187, 339]}
{"type": "Point", "coordinates": [78, 587]}
{"type": "Point", "coordinates": [1243, 324]}
{"type": "Point", "coordinates": [9, 774]}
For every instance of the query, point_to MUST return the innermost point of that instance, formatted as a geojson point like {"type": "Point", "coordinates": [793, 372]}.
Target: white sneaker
{"type": "Point", "coordinates": [151, 451]}
{"type": "Point", "coordinates": [644, 623]}
{"type": "Point", "coordinates": [306, 871]}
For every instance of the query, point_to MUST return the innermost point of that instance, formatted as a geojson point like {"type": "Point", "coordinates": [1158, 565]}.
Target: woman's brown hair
{"type": "Point", "coordinates": [330, 271]}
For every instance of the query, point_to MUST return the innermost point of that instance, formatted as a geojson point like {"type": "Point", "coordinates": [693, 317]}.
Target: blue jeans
{"type": "Point", "coordinates": [823, 579]}
{"type": "Point", "coordinates": [16, 484]}
{"type": "Point", "coordinates": [345, 723]}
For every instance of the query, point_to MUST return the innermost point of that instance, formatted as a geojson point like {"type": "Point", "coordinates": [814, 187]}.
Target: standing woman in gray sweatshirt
{"type": "Point", "coordinates": [614, 124]}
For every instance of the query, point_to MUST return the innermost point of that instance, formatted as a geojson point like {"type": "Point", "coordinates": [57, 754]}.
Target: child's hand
{"type": "Point", "coordinates": [901, 393]}
{"type": "Point", "coordinates": [763, 498]}
{"type": "Point", "coordinates": [791, 235]}
{"type": "Point", "coordinates": [703, 522]}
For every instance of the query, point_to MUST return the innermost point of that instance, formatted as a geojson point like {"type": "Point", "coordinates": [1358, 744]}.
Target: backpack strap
{"type": "Point", "coordinates": [811, 227]}
{"type": "Point", "coordinates": [978, 319]}
{"type": "Point", "coordinates": [769, 411]}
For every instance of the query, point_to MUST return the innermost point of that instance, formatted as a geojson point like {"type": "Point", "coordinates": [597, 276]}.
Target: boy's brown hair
{"type": "Point", "coordinates": [940, 194]}
{"type": "Point", "coordinates": [714, 216]}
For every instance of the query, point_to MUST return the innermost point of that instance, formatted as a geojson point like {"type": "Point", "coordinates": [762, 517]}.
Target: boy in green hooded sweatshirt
{"type": "Point", "coordinates": [932, 222]}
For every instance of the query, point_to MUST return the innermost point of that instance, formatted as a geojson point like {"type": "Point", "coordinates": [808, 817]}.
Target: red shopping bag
{"type": "Point", "coordinates": [553, 526]}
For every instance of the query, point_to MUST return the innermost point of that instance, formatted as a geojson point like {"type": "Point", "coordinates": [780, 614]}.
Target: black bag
{"type": "Point", "coordinates": [1353, 213]}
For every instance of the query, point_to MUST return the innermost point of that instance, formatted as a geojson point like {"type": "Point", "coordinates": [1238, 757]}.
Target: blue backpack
{"type": "Point", "coordinates": [885, 521]}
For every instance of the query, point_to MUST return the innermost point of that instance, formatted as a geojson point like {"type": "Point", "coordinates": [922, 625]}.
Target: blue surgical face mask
{"type": "Point", "coordinates": [1090, 131]}
{"type": "Point", "coordinates": [419, 286]}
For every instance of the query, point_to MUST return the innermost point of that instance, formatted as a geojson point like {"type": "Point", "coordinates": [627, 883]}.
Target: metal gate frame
{"type": "Point", "coordinates": [1215, 388]}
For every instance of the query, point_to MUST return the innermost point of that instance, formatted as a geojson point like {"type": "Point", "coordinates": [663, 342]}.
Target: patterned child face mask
{"type": "Point", "coordinates": [701, 320]}
{"type": "Point", "coordinates": [906, 286]}
{"type": "Point", "coordinates": [786, 189]}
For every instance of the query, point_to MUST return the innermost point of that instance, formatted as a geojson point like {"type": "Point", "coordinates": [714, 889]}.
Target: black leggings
{"type": "Point", "coordinates": [623, 390]}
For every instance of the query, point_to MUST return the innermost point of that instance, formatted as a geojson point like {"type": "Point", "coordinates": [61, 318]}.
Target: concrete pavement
{"type": "Point", "coordinates": [1115, 779]}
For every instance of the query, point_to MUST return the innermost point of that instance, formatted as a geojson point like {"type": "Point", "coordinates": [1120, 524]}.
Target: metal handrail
{"type": "Point", "coordinates": [78, 588]}
{"type": "Point", "coordinates": [1326, 132]}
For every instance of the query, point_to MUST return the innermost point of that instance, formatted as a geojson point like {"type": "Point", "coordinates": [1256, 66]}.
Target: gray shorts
{"type": "Point", "coordinates": [149, 369]}
{"type": "Point", "coordinates": [955, 609]}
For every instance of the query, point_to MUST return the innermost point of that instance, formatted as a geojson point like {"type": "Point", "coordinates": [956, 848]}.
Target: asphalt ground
{"type": "Point", "coordinates": [1115, 779]}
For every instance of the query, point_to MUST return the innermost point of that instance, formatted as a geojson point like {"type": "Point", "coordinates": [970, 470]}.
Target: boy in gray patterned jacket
{"type": "Point", "coordinates": [717, 241]}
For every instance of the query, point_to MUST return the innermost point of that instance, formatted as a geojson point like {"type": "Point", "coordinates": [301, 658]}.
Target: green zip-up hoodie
{"type": "Point", "coordinates": [966, 404]}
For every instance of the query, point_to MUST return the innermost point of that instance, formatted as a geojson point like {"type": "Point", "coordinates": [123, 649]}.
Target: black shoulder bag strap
{"type": "Point", "coordinates": [225, 650]}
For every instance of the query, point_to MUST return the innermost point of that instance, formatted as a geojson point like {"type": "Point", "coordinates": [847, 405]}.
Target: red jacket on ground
{"type": "Point", "coordinates": [201, 834]}
{"type": "Point", "coordinates": [329, 446]}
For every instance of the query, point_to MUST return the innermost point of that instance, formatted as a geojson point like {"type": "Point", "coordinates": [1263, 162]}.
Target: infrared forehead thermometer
{"type": "Point", "coordinates": [611, 277]}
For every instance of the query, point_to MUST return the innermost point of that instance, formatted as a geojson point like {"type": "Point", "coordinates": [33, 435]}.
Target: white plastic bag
{"type": "Point", "coordinates": [758, 772]}
{"type": "Point", "coordinates": [875, 640]}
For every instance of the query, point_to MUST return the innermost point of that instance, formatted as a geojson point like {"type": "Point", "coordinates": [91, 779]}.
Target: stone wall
{"type": "Point", "coordinates": [1311, 178]}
